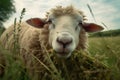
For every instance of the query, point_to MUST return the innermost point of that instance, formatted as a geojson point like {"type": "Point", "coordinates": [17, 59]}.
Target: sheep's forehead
{"type": "Point", "coordinates": [70, 10]}
{"type": "Point", "coordinates": [67, 20]}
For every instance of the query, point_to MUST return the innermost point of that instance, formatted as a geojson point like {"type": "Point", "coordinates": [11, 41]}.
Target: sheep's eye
{"type": "Point", "coordinates": [52, 25]}
{"type": "Point", "coordinates": [80, 23]}
{"type": "Point", "coordinates": [49, 21]}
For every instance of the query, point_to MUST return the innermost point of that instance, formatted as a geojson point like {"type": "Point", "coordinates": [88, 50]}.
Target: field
{"type": "Point", "coordinates": [107, 50]}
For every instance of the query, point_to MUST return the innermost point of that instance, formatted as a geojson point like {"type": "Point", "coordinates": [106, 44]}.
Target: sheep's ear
{"type": "Point", "coordinates": [92, 27]}
{"type": "Point", "coordinates": [36, 22]}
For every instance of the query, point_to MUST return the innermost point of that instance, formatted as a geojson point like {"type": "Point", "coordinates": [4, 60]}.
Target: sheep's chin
{"type": "Point", "coordinates": [63, 55]}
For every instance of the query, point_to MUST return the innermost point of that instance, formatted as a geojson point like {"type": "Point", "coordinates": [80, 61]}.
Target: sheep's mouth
{"type": "Point", "coordinates": [63, 53]}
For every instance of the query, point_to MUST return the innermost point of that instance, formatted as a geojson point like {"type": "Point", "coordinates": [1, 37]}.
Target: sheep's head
{"type": "Point", "coordinates": [65, 25]}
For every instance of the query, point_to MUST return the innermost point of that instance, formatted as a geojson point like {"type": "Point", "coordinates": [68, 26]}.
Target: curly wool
{"type": "Point", "coordinates": [69, 10]}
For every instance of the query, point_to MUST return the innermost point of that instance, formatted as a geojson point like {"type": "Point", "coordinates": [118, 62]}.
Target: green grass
{"type": "Point", "coordinates": [13, 67]}
{"type": "Point", "coordinates": [78, 66]}
{"type": "Point", "coordinates": [106, 33]}
{"type": "Point", "coordinates": [1, 30]}
{"type": "Point", "coordinates": [107, 50]}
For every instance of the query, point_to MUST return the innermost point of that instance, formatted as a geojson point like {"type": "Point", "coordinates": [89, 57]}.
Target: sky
{"type": "Point", "coordinates": [105, 11]}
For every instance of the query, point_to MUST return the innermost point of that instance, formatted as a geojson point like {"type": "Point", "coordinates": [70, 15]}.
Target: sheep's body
{"type": "Point", "coordinates": [30, 38]}
{"type": "Point", "coordinates": [29, 42]}
{"type": "Point", "coordinates": [7, 38]}
{"type": "Point", "coordinates": [25, 35]}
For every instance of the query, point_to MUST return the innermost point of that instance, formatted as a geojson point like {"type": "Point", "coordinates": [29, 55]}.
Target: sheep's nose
{"type": "Point", "coordinates": [64, 39]}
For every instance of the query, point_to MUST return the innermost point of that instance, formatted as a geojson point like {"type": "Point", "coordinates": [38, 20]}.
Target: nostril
{"type": "Point", "coordinates": [64, 41]}
{"type": "Point", "coordinates": [59, 41]}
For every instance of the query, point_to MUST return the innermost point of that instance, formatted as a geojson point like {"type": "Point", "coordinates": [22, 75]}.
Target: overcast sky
{"type": "Point", "coordinates": [106, 11]}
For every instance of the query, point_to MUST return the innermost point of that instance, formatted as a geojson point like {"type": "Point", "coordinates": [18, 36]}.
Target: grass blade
{"type": "Point", "coordinates": [91, 12]}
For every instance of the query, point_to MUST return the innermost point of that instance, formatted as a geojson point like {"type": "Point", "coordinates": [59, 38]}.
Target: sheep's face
{"type": "Point", "coordinates": [64, 33]}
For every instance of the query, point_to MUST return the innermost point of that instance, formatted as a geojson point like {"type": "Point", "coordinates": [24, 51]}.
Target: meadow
{"type": "Point", "coordinates": [107, 50]}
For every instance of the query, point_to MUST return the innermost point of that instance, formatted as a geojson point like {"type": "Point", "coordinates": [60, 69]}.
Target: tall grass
{"type": "Point", "coordinates": [13, 68]}
{"type": "Point", "coordinates": [107, 50]}
{"type": "Point", "coordinates": [17, 30]}
{"type": "Point", "coordinates": [10, 61]}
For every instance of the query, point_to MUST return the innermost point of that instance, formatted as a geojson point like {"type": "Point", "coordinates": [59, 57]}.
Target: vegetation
{"type": "Point", "coordinates": [6, 9]}
{"type": "Point", "coordinates": [107, 50]}
{"type": "Point", "coordinates": [1, 30]}
{"type": "Point", "coordinates": [106, 33]}
{"type": "Point", "coordinates": [78, 66]}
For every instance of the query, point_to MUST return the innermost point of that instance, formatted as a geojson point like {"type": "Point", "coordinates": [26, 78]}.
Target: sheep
{"type": "Point", "coordinates": [67, 31]}
{"type": "Point", "coordinates": [64, 30]}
